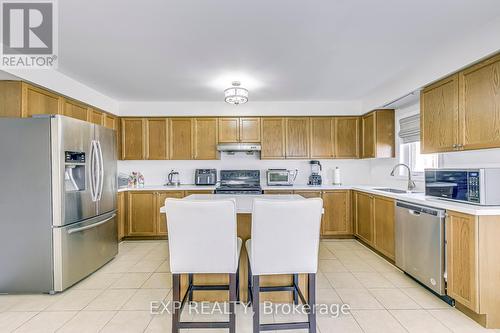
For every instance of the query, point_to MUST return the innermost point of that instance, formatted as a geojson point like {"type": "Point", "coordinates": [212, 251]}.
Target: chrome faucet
{"type": "Point", "coordinates": [411, 183]}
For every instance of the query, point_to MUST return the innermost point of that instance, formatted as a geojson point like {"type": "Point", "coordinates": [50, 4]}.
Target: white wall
{"type": "Point", "coordinates": [453, 55]}
{"type": "Point", "coordinates": [155, 172]}
{"type": "Point", "coordinates": [63, 84]}
{"type": "Point", "coordinates": [251, 108]}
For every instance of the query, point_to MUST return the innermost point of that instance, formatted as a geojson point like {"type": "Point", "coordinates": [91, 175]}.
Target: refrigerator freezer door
{"type": "Point", "coordinates": [107, 188]}
{"type": "Point", "coordinates": [25, 206]}
{"type": "Point", "coordinates": [72, 136]}
{"type": "Point", "coordinates": [82, 248]}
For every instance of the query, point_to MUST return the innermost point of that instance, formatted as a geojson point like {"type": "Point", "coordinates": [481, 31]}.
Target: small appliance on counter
{"type": "Point", "coordinates": [122, 180]}
{"type": "Point", "coordinates": [473, 186]}
{"type": "Point", "coordinates": [315, 177]}
{"type": "Point", "coordinates": [281, 177]}
{"type": "Point", "coordinates": [173, 179]}
{"type": "Point", "coordinates": [205, 176]}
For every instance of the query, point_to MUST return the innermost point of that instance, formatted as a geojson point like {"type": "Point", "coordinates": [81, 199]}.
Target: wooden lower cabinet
{"type": "Point", "coordinates": [161, 219]}
{"type": "Point", "coordinates": [363, 210]}
{"type": "Point", "coordinates": [278, 192]}
{"type": "Point", "coordinates": [384, 238]}
{"type": "Point", "coordinates": [142, 211]}
{"type": "Point", "coordinates": [462, 259]}
{"type": "Point", "coordinates": [336, 220]}
{"type": "Point", "coordinates": [121, 214]}
{"type": "Point", "coordinates": [337, 215]}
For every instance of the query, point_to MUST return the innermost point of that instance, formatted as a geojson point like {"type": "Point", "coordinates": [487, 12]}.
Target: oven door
{"type": "Point", "coordinates": [447, 184]}
{"type": "Point", "coordinates": [82, 248]}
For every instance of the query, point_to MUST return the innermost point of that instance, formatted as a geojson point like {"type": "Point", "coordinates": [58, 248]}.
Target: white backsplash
{"type": "Point", "coordinates": [155, 172]}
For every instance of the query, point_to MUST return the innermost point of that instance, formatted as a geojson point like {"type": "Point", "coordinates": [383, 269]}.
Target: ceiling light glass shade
{"type": "Point", "coordinates": [236, 95]}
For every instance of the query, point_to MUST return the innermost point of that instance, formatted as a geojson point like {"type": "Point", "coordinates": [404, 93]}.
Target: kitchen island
{"type": "Point", "coordinates": [244, 205]}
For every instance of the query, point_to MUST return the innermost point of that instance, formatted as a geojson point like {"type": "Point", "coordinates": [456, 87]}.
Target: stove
{"type": "Point", "coordinates": [239, 182]}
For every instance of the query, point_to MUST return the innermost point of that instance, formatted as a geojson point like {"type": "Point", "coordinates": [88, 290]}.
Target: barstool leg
{"type": "Point", "coordinates": [232, 300]}
{"type": "Point", "coordinates": [311, 283]}
{"type": "Point", "coordinates": [295, 292]}
{"type": "Point", "coordinates": [238, 284]}
{"type": "Point", "coordinates": [249, 287]}
{"type": "Point", "coordinates": [176, 286]}
{"type": "Point", "coordinates": [256, 304]}
{"type": "Point", "coordinates": [190, 296]}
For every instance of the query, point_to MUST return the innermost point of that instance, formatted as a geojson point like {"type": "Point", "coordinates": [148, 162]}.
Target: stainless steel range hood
{"type": "Point", "coordinates": [239, 147]}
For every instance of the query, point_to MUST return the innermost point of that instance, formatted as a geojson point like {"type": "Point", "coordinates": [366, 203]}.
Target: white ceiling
{"type": "Point", "coordinates": [282, 50]}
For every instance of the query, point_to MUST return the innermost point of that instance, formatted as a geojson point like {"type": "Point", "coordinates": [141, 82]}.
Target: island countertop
{"type": "Point", "coordinates": [244, 202]}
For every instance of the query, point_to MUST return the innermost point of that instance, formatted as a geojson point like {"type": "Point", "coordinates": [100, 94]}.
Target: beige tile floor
{"type": "Point", "coordinates": [117, 297]}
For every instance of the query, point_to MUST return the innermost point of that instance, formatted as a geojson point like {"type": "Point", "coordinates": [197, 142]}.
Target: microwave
{"type": "Point", "coordinates": [473, 186]}
{"type": "Point", "coordinates": [281, 177]}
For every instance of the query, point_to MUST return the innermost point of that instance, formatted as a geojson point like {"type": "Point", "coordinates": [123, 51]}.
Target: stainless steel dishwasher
{"type": "Point", "coordinates": [420, 244]}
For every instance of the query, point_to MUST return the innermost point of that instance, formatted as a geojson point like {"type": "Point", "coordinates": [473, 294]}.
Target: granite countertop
{"type": "Point", "coordinates": [416, 198]}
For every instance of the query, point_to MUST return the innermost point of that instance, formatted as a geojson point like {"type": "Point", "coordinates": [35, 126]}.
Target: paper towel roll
{"type": "Point", "coordinates": [336, 176]}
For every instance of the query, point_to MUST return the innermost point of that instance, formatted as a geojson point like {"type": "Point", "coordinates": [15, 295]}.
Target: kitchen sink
{"type": "Point", "coordinates": [391, 190]}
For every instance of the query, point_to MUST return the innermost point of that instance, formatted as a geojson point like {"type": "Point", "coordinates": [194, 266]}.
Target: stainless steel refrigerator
{"type": "Point", "coordinates": [57, 202]}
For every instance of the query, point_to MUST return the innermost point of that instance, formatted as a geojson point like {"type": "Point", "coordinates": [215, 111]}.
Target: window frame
{"type": "Point", "coordinates": [406, 149]}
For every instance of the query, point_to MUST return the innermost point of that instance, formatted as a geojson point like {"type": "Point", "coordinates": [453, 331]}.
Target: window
{"type": "Point", "coordinates": [409, 153]}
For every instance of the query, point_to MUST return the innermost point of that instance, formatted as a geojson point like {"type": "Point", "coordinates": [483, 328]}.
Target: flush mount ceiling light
{"type": "Point", "coordinates": [236, 94]}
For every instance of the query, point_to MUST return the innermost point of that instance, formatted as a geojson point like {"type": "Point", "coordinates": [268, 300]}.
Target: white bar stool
{"type": "Point", "coordinates": [203, 239]}
{"type": "Point", "coordinates": [285, 240]}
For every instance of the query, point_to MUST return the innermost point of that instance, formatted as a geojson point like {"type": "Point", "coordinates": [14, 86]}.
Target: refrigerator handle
{"type": "Point", "coordinates": [101, 171]}
{"type": "Point", "coordinates": [93, 156]}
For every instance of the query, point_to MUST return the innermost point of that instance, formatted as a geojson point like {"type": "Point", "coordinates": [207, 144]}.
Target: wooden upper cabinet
{"type": "Point", "coordinates": [322, 137]}
{"type": "Point", "coordinates": [96, 116]}
{"type": "Point", "coordinates": [479, 107]}
{"type": "Point", "coordinates": [439, 116]}
{"type": "Point", "coordinates": [250, 129]}
{"type": "Point", "coordinates": [364, 216]}
{"type": "Point", "coordinates": [110, 122]}
{"type": "Point", "coordinates": [229, 129]}
{"type": "Point", "coordinates": [11, 99]}
{"type": "Point", "coordinates": [205, 139]}
{"type": "Point", "coordinates": [181, 138]}
{"type": "Point", "coordinates": [75, 109]}
{"type": "Point", "coordinates": [157, 138]}
{"type": "Point", "coordinates": [239, 129]}
{"type": "Point", "coordinates": [384, 238]}
{"type": "Point", "coordinates": [337, 216]}
{"type": "Point", "coordinates": [273, 138]}
{"type": "Point", "coordinates": [297, 137]}
{"type": "Point", "coordinates": [346, 137]}
{"type": "Point", "coordinates": [368, 135]}
{"type": "Point", "coordinates": [133, 138]}
{"type": "Point", "coordinates": [161, 218]}
{"type": "Point", "coordinates": [462, 259]}
{"type": "Point", "coordinates": [378, 136]}
{"type": "Point", "coordinates": [40, 101]}
{"type": "Point", "coordinates": [142, 213]}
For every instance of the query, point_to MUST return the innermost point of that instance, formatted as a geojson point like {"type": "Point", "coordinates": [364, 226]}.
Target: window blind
{"type": "Point", "coordinates": [409, 129]}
